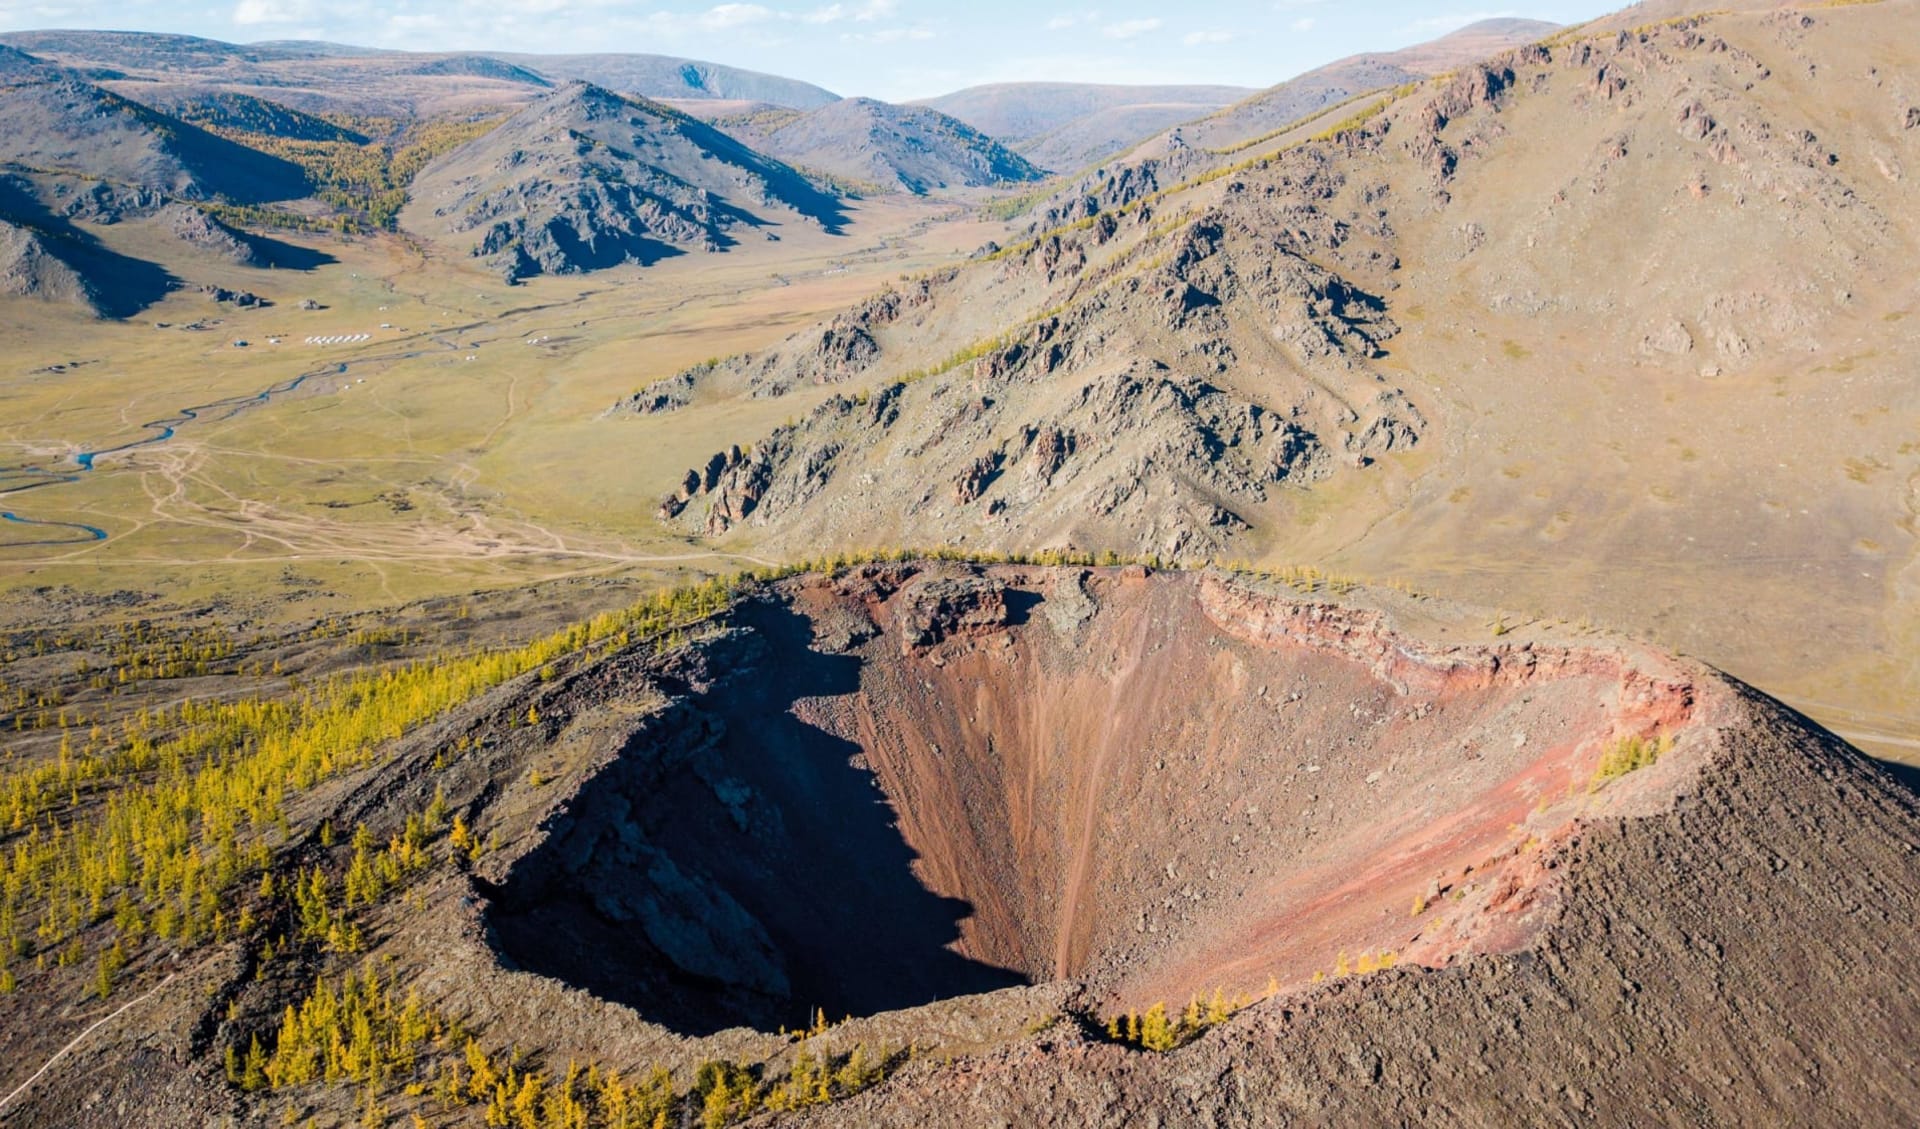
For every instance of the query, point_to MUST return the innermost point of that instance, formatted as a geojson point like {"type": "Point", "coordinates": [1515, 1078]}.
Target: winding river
{"type": "Point", "coordinates": [18, 480]}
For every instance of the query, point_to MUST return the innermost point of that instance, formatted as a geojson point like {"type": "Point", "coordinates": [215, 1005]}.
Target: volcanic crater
{"type": "Point", "coordinates": [908, 783]}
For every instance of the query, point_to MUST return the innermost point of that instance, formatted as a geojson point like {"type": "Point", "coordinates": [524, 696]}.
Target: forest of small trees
{"type": "Point", "coordinates": [163, 828]}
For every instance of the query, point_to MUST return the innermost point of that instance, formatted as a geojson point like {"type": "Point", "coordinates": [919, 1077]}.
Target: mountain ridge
{"type": "Point", "coordinates": [317, 75]}
{"type": "Point", "coordinates": [585, 178]}
{"type": "Point", "coordinates": [910, 148]}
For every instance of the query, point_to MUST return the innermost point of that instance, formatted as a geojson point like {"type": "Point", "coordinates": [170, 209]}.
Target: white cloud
{"type": "Point", "coordinates": [1303, 24]}
{"type": "Point", "coordinates": [1066, 20]}
{"type": "Point", "coordinates": [251, 12]}
{"type": "Point", "coordinates": [867, 12]}
{"type": "Point", "coordinates": [888, 35]}
{"type": "Point", "coordinates": [725, 17]}
{"type": "Point", "coordinates": [1128, 29]}
{"type": "Point", "coordinates": [1201, 38]}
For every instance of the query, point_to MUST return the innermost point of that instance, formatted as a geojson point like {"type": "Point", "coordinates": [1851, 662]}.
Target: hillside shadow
{"type": "Point", "coordinates": [120, 285]}
{"type": "Point", "coordinates": [240, 174]}
{"type": "Point", "coordinates": [609, 248]}
{"type": "Point", "coordinates": [785, 183]}
{"type": "Point", "coordinates": [278, 255]}
{"type": "Point", "coordinates": [1906, 774]}
{"type": "Point", "coordinates": [739, 868]}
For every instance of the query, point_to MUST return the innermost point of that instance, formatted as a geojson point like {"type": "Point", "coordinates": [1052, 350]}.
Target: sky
{"type": "Point", "coordinates": [892, 49]}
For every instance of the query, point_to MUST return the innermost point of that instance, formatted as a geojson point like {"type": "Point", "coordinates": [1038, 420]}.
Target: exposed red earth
{"type": "Point", "coordinates": [981, 809]}
{"type": "Point", "coordinates": [917, 783]}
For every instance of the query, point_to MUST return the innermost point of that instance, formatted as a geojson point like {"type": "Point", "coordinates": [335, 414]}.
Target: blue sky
{"type": "Point", "coordinates": [895, 49]}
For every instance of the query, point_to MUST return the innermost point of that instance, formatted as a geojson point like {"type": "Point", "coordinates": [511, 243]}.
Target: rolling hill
{"type": "Point", "coordinates": [70, 128]}
{"type": "Point", "coordinates": [661, 76]}
{"type": "Point", "coordinates": [1065, 126]}
{"type": "Point", "coordinates": [586, 179]}
{"type": "Point", "coordinates": [1335, 83]}
{"type": "Point", "coordinates": [1371, 347]}
{"type": "Point", "coordinates": [898, 148]}
{"type": "Point", "coordinates": [323, 77]}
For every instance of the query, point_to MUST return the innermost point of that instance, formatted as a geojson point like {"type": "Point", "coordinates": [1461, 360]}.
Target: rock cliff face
{"type": "Point", "coordinates": [1661, 991]}
{"type": "Point", "coordinates": [585, 179]}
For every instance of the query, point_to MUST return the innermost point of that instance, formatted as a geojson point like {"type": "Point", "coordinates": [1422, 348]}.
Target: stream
{"type": "Point", "coordinates": [18, 480]}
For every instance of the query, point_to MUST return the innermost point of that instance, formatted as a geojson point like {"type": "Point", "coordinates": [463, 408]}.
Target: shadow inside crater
{"type": "Point", "coordinates": [735, 867]}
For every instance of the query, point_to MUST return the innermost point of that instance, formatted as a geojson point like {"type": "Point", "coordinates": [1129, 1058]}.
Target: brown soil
{"type": "Point", "coordinates": [1095, 789]}
{"type": "Point", "coordinates": [1734, 961]}
{"type": "Point", "coordinates": [908, 786]}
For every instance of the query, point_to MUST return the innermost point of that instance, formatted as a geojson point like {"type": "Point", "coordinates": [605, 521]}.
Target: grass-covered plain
{"type": "Point", "coordinates": [460, 446]}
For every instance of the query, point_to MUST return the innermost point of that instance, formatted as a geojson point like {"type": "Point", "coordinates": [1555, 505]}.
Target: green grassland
{"type": "Point", "coordinates": [450, 454]}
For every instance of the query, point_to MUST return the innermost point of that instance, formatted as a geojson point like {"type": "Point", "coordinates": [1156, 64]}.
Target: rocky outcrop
{"type": "Point", "coordinates": [1473, 88]}
{"type": "Point", "coordinates": [667, 395]}
{"type": "Point", "coordinates": [846, 347]}
{"type": "Point", "coordinates": [202, 232]}
{"type": "Point", "coordinates": [839, 351]}
{"type": "Point", "coordinates": [935, 609]}
{"type": "Point", "coordinates": [30, 269]}
{"type": "Point", "coordinates": [585, 179]}
{"type": "Point", "coordinates": [1126, 413]}
{"type": "Point", "coordinates": [244, 299]}
{"type": "Point", "coordinates": [897, 148]}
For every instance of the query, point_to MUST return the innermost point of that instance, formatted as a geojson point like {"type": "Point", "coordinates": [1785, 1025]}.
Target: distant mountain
{"type": "Point", "coordinates": [1336, 82]}
{"type": "Point", "coordinates": [77, 129]}
{"type": "Point", "coordinates": [661, 76]}
{"type": "Point", "coordinates": [1658, 11]}
{"type": "Point", "coordinates": [909, 148]}
{"type": "Point", "coordinates": [585, 179]}
{"type": "Point", "coordinates": [131, 49]}
{"type": "Point", "coordinates": [479, 66]}
{"type": "Point", "coordinates": [1087, 141]}
{"type": "Point", "coordinates": [15, 64]}
{"type": "Point", "coordinates": [316, 77]}
{"type": "Point", "coordinates": [312, 49]}
{"type": "Point", "coordinates": [223, 109]}
{"type": "Point", "coordinates": [1023, 111]}
{"type": "Point", "coordinates": [1066, 126]}
{"type": "Point", "coordinates": [1472, 43]}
